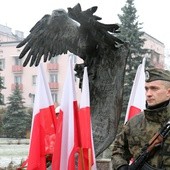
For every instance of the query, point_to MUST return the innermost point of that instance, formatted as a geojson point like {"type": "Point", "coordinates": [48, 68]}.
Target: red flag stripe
{"type": "Point", "coordinates": [133, 111]}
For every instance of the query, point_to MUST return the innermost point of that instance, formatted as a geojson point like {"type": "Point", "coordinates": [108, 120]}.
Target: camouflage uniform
{"type": "Point", "coordinates": [137, 132]}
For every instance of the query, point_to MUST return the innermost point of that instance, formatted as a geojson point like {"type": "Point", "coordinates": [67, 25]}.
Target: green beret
{"type": "Point", "coordinates": [157, 74]}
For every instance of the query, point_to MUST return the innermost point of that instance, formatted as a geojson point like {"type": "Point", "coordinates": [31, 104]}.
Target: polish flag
{"type": "Point", "coordinates": [87, 146]}
{"type": "Point", "coordinates": [43, 128]}
{"type": "Point", "coordinates": [137, 97]}
{"type": "Point", "coordinates": [67, 140]}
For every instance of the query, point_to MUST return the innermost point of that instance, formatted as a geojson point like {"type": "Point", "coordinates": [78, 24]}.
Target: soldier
{"type": "Point", "coordinates": [138, 131]}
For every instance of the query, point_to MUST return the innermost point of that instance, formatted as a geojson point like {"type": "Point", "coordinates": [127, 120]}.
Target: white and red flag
{"type": "Point", "coordinates": [87, 146]}
{"type": "Point", "coordinates": [43, 128]}
{"type": "Point", "coordinates": [67, 143]}
{"type": "Point", "coordinates": [137, 97]}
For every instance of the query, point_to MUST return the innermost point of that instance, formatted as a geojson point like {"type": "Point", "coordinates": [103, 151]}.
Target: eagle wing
{"type": "Point", "coordinates": [52, 35]}
{"type": "Point", "coordinates": [76, 31]}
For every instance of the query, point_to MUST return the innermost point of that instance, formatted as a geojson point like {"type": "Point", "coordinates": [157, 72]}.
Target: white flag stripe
{"type": "Point", "coordinates": [137, 96]}
{"type": "Point", "coordinates": [68, 116]}
{"type": "Point", "coordinates": [44, 97]}
{"type": "Point", "coordinates": [85, 102]}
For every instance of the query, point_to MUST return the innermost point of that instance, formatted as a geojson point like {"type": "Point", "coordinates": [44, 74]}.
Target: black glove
{"type": "Point", "coordinates": [124, 167]}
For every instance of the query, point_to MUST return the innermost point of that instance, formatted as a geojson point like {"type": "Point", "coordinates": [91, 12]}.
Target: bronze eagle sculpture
{"type": "Point", "coordinates": [105, 55]}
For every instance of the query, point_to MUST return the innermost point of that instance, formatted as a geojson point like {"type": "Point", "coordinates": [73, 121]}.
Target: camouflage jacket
{"type": "Point", "coordinates": [136, 133]}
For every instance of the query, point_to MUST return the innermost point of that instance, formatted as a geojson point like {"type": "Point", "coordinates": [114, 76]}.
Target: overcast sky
{"type": "Point", "coordinates": [154, 14]}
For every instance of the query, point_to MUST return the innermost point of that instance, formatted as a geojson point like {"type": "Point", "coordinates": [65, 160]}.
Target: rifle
{"type": "Point", "coordinates": [157, 140]}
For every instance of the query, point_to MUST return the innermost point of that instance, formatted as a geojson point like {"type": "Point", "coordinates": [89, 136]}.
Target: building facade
{"type": "Point", "coordinates": [167, 59]}
{"type": "Point", "coordinates": [13, 72]}
{"type": "Point", "coordinates": [156, 53]}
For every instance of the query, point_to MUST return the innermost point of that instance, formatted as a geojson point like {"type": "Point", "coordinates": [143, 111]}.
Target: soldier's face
{"type": "Point", "coordinates": [156, 92]}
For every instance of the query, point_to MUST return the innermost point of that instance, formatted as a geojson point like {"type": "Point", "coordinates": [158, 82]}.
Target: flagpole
{"type": "Point", "coordinates": [81, 158]}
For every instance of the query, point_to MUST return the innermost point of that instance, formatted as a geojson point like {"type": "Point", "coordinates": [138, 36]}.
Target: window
{"type": "Point", "coordinates": [32, 98]}
{"type": "Point", "coordinates": [2, 64]}
{"type": "Point", "coordinates": [54, 96]}
{"type": "Point", "coordinates": [53, 78]}
{"type": "Point", "coordinates": [17, 61]}
{"type": "Point", "coordinates": [34, 79]}
{"type": "Point", "coordinates": [54, 60]}
{"type": "Point", "coordinates": [18, 79]}
{"type": "Point", "coordinates": [2, 79]}
{"type": "Point", "coordinates": [2, 100]}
